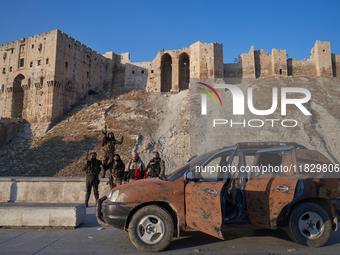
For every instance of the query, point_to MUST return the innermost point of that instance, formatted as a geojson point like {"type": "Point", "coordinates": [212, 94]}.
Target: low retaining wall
{"type": "Point", "coordinates": [42, 215]}
{"type": "Point", "coordinates": [47, 189]}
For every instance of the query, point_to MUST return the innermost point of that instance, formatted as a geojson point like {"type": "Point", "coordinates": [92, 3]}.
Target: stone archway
{"type": "Point", "coordinates": [166, 73]}
{"type": "Point", "coordinates": [184, 71]}
{"type": "Point", "coordinates": [18, 97]}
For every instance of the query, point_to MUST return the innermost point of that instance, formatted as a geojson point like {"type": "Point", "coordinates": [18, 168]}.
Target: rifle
{"type": "Point", "coordinates": [87, 155]}
{"type": "Point", "coordinates": [153, 172]}
{"type": "Point", "coordinates": [105, 132]}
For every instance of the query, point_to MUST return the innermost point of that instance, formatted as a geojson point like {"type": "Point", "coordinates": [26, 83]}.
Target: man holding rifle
{"type": "Point", "coordinates": [156, 166]}
{"type": "Point", "coordinates": [92, 169]}
{"type": "Point", "coordinates": [109, 147]}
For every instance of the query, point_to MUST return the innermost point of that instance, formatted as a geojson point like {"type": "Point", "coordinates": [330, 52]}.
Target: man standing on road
{"type": "Point", "coordinates": [92, 169]}
{"type": "Point", "coordinates": [116, 171]}
{"type": "Point", "coordinates": [156, 166]}
{"type": "Point", "coordinates": [135, 169]}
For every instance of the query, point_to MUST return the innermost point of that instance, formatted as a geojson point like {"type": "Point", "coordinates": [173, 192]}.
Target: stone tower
{"type": "Point", "coordinates": [323, 59]}
{"type": "Point", "coordinates": [43, 75]}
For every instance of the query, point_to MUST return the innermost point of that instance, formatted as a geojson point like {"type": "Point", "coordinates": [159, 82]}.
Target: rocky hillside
{"type": "Point", "coordinates": [9, 129]}
{"type": "Point", "coordinates": [318, 131]}
{"type": "Point", "coordinates": [148, 121]}
{"type": "Point", "coordinates": [169, 124]}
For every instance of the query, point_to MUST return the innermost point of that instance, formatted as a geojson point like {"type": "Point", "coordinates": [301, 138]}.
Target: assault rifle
{"type": "Point", "coordinates": [105, 132]}
{"type": "Point", "coordinates": [153, 172]}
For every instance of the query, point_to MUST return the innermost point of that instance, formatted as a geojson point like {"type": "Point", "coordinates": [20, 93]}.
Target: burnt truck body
{"type": "Point", "coordinates": [262, 185]}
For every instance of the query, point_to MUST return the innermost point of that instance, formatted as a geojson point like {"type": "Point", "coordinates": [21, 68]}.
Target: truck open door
{"type": "Point", "coordinates": [203, 207]}
{"type": "Point", "coordinates": [268, 192]}
{"type": "Point", "coordinates": [203, 195]}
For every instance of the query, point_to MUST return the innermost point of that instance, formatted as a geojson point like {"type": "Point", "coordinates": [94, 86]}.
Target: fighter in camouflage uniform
{"type": "Point", "coordinates": [92, 169]}
{"type": "Point", "coordinates": [156, 166]}
{"type": "Point", "coordinates": [116, 171]}
{"type": "Point", "coordinates": [109, 147]}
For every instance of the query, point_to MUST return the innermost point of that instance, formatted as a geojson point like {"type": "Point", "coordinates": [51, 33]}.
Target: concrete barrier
{"type": "Point", "coordinates": [47, 189]}
{"type": "Point", "coordinates": [41, 215]}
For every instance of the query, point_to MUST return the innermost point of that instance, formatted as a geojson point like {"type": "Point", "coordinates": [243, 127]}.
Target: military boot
{"type": "Point", "coordinates": [86, 202]}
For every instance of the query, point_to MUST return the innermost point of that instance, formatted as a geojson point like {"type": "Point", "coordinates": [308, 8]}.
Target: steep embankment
{"type": "Point", "coordinates": [318, 132]}
{"type": "Point", "coordinates": [9, 129]}
{"type": "Point", "coordinates": [141, 117]}
{"type": "Point", "coordinates": [162, 122]}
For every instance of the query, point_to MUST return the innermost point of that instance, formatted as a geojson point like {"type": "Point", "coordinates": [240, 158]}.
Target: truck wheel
{"type": "Point", "coordinates": [151, 228]}
{"type": "Point", "coordinates": [310, 225]}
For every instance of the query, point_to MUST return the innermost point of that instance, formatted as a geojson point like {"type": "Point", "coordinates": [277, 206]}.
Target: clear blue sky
{"type": "Point", "coordinates": [145, 27]}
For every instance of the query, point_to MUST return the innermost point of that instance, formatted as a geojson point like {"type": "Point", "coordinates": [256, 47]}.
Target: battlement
{"type": "Point", "coordinates": [259, 63]}
{"type": "Point", "coordinates": [23, 40]}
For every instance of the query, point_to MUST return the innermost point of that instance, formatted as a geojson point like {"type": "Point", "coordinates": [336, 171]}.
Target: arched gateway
{"type": "Point", "coordinates": [18, 97]}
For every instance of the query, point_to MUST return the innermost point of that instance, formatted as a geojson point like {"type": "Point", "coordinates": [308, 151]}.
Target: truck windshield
{"type": "Point", "coordinates": [178, 173]}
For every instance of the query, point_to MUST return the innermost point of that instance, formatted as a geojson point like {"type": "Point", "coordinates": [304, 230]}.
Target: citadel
{"type": "Point", "coordinates": [44, 75]}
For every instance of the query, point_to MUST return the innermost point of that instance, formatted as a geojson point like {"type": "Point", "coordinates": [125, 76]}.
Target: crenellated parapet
{"type": "Point", "coordinates": [55, 84]}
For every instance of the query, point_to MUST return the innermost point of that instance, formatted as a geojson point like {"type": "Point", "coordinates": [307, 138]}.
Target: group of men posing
{"type": "Point", "coordinates": [119, 173]}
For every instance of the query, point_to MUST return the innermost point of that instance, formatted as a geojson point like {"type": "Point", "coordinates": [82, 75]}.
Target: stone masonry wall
{"type": "Point", "coordinates": [44, 75]}
{"type": "Point", "coordinates": [320, 64]}
{"type": "Point", "coordinates": [232, 70]}
{"type": "Point", "coordinates": [165, 70]}
{"type": "Point", "coordinates": [78, 70]}
{"type": "Point", "coordinates": [218, 60]}
{"type": "Point", "coordinates": [202, 64]}
{"type": "Point", "coordinates": [279, 63]}
{"type": "Point", "coordinates": [301, 68]}
{"type": "Point", "coordinates": [171, 70]}
{"type": "Point", "coordinates": [323, 59]}
{"type": "Point", "coordinates": [263, 64]}
{"type": "Point", "coordinates": [270, 65]}
{"type": "Point", "coordinates": [247, 61]}
{"type": "Point", "coordinates": [136, 75]}
{"type": "Point", "coordinates": [27, 61]}
{"type": "Point", "coordinates": [336, 65]}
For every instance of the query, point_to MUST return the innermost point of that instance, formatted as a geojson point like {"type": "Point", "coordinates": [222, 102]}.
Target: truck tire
{"type": "Point", "coordinates": [151, 228]}
{"type": "Point", "coordinates": [310, 225]}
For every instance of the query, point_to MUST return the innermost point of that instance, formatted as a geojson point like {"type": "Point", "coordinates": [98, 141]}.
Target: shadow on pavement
{"type": "Point", "coordinates": [91, 220]}
{"type": "Point", "coordinates": [196, 239]}
{"type": "Point", "coordinates": [191, 239]}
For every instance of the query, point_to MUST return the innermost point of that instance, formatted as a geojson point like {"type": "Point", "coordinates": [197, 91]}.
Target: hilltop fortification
{"type": "Point", "coordinates": [44, 75]}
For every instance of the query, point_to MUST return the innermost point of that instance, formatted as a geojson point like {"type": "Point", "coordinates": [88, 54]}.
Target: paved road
{"type": "Point", "coordinates": [90, 238]}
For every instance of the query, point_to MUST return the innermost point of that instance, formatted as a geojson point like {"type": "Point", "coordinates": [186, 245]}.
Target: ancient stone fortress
{"type": "Point", "coordinates": [44, 75]}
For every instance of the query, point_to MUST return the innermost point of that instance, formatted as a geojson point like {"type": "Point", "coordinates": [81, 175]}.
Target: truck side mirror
{"type": "Point", "coordinates": [189, 176]}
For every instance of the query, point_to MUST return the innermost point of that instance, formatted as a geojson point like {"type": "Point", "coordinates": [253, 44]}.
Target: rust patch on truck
{"type": "Point", "coordinates": [155, 190]}
{"type": "Point", "coordinates": [330, 189]}
{"type": "Point", "coordinates": [203, 207]}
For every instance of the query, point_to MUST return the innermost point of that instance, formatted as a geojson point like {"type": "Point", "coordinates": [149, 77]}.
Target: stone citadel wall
{"type": "Point", "coordinates": [26, 64]}
{"type": "Point", "coordinates": [44, 75]}
{"type": "Point", "coordinates": [259, 63]}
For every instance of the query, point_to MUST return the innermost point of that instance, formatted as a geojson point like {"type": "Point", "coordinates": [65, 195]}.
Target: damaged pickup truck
{"type": "Point", "coordinates": [261, 185]}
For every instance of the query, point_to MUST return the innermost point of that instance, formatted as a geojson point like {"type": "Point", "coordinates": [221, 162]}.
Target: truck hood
{"type": "Point", "coordinates": [151, 189]}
